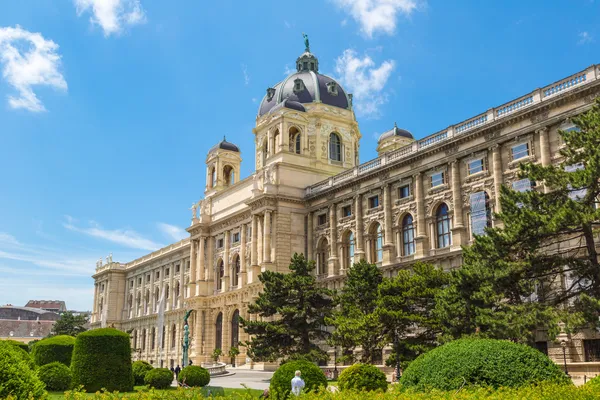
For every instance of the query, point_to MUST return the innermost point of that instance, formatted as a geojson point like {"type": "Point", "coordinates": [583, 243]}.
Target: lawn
{"type": "Point", "coordinates": [215, 390]}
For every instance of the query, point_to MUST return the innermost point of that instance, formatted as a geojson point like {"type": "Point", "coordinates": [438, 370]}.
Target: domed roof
{"type": "Point", "coordinates": [306, 85]}
{"type": "Point", "coordinates": [395, 131]}
{"type": "Point", "coordinates": [225, 145]}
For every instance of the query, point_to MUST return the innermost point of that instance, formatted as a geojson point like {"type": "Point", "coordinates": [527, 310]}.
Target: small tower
{"type": "Point", "coordinates": [394, 139]}
{"type": "Point", "coordinates": [222, 166]}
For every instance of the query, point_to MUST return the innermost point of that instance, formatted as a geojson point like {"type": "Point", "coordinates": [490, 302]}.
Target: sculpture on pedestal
{"type": "Point", "coordinates": [186, 339]}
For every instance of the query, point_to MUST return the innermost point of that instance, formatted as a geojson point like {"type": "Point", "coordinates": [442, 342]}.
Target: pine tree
{"type": "Point", "coordinates": [542, 266]}
{"type": "Point", "coordinates": [292, 310]}
{"type": "Point", "coordinates": [355, 322]}
{"type": "Point", "coordinates": [69, 324]}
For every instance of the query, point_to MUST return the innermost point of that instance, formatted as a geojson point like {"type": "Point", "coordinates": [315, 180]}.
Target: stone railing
{"type": "Point", "coordinates": [158, 253]}
{"type": "Point", "coordinates": [537, 96]}
{"type": "Point", "coordinates": [215, 369]}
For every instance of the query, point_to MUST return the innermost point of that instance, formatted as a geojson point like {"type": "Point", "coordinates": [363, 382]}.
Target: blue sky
{"type": "Point", "coordinates": [108, 107]}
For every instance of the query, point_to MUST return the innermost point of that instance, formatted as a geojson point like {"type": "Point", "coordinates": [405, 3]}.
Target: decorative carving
{"type": "Point", "coordinates": [592, 97]}
{"type": "Point", "coordinates": [539, 117]}
{"type": "Point", "coordinates": [492, 135]}
{"type": "Point", "coordinates": [452, 150]}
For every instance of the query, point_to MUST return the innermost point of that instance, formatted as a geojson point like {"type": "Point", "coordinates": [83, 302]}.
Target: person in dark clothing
{"type": "Point", "coordinates": [177, 371]}
{"type": "Point", "coordinates": [173, 371]}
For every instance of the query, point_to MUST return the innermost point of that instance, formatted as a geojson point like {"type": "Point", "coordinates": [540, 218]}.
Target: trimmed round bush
{"type": "Point", "coordinates": [482, 362]}
{"type": "Point", "coordinates": [193, 375]}
{"type": "Point", "coordinates": [102, 359]}
{"type": "Point", "coordinates": [17, 378]}
{"type": "Point", "coordinates": [140, 368]}
{"type": "Point", "coordinates": [281, 385]}
{"type": "Point", "coordinates": [56, 348]}
{"type": "Point", "coordinates": [18, 344]}
{"type": "Point", "coordinates": [363, 377]}
{"type": "Point", "coordinates": [56, 375]}
{"type": "Point", "coordinates": [159, 378]}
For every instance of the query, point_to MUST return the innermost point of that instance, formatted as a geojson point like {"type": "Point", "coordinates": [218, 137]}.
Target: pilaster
{"type": "Point", "coordinates": [242, 279]}
{"type": "Point", "coordinates": [421, 245]}
{"type": "Point", "coordinates": [458, 227]}
{"type": "Point", "coordinates": [359, 252]}
{"type": "Point", "coordinates": [254, 249]}
{"type": "Point", "coordinates": [498, 180]}
{"type": "Point", "coordinates": [333, 254]}
{"type": "Point", "coordinates": [310, 237]}
{"type": "Point", "coordinates": [388, 244]}
{"type": "Point", "coordinates": [193, 266]}
{"type": "Point", "coordinates": [225, 282]}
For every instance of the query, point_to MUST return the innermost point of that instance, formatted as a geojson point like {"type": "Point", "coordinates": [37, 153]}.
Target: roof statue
{"type": "Point", "coordinates": [306, 44]}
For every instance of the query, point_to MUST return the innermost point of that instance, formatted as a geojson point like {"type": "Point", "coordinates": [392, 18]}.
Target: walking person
{"type": "Point", "coordinates": [177, 371]}
{"type": "Point", "coordinates": [297, 384]}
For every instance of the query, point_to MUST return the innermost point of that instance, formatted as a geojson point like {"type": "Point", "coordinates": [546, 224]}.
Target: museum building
{"type": "Point", "coordinates": [420, 199]}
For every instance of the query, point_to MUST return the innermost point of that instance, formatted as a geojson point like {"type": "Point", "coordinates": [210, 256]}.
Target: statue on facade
{"type": "Point", "coordinates": [306, 44]}
{"type": "Point", "coordinates": [194, 211]}
{"type": "Point", "coordinates": [186, 338]}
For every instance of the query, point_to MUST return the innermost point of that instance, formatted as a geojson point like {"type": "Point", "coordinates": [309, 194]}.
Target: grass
{"type": "Point", "coordinates": [214, 389]}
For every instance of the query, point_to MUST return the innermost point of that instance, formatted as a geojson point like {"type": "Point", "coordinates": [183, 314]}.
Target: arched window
{"type": "Point", "coordinates": [295, 140]}
{"type": "Point", "coordinates": [376, 234]}
{"type": "Point", "coordinates": [213, 177]}
{"type": "Point", "coordinates": [444, 236]}
{"type": "Point", "coordinates": [219, 331]}
{"type": "Point", "coordinates": [481, 212]}
{"type": "Point", "coordinates": [130, 301]}
{"type": "Point", "coordinates": [220, 274]}
{"type": "Point", "coordinates": [156, 298]}
{"type": "Point", "coordinates": [235, 328]}
{"type": "Point", "coordinates": [146, 301]}
{"type": "Point", "coordinates": [173, 336]}
{"type": "Point", "coordinates": [176, 293]}
{"type": "Point", "coordinates": [335, 147]}
{"type": "Point", "coordinates": [143, 344]}
{"type": "Point", "coordinates": [166, 292]}
{"type": "Point", "coordinates": [408, 235]}
{"type": "Point", "coordinates": [163, 338]}
{"type": "Point", "coordinates": [322, 256]}
{"type": "Point", "coordinates": [298, 144]}
{"type": "Point", "coordinates": [236, 271]}
{"type": "Point", "coordinates": [134, 339]}
{"type": "Point", "coordinates": [228, 175]}
{"type": "Point", "coordinates": [349, 244]}
{"type": "Point", "coordinates": [276, 142]}
{"type": "Point", "coordinates": [153, 339]}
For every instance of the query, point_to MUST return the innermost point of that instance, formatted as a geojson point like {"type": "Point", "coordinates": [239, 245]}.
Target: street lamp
{"type": "Point", "coordinates": [563, 344]}
{"type": "Point", "coordinates": [335, 371]}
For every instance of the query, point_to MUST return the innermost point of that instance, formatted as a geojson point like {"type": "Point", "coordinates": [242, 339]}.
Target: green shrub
{"type": "Point", "coordinates": [193, 375]}
{"type": "Point", "coordinates": [159, 378]}
{"type": "Point", "coordinates": [17, 378]}
{"type": "Point", "coordinates": [483, 362]}
{"type": "Point", "coordinates": [102, 359]}
{"type": "Point", "coordinates": [56, 348]}
{"type": "Point", "coordinates": [56, 375]}
{"type": "Point", "coordinates": [139, 369]}
{"type": "Point", "coordinates": [281, 381]}
{"type": "Point", "coordinates": [18, 344]}
{"type": "Point", "coordinates": [363, 377]}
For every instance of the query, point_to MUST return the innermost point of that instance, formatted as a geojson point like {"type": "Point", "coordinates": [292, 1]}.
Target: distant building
{"type": "Point", "coordinates": [26, 323]}
{"type": "Point", "coordinates": [56, 306]}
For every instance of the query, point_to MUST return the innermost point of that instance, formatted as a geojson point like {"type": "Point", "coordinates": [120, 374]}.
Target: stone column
{"type": "Point", "coordinates": [545, 155]}
{"type": "Point", "coordinates": [193, 266]}
{"type": "Point", "coordinates": [136, 309]}
{"type": "Point", "coordinates": [95, 305]}
{"type": "Point", "coordinates": [497, 173]}
{"type": "Point", "coordinates": [172, 300]}
{"type": "Point", "coordinates": [210, 263]}
{"type": "Point", "coordinates": [267, 238]}
{"type": "Point", "coordinates": [254, 249]}
{"type": "Point", "coordinates": [225, 283]}
{"type": "Point", "coordinates": [458, 226]}
{"type": "Point", "coordinates": [243, 275]}
{"type": "Point", "coordinates": [152, 299]}
{"type": "Point", "coordinates": [182, 281]}
{"type": "Point", "coordinates": [359, 252]}
{"type": "Point", "coordinates": [333, 254]}
{"type": "Point", "coordinates": [200, 261]}
{"type": "Point", "coordinates": [421, 238]}
{"type": "Point", "coordinates": [388, 244]}
{"type": "Point", "coordinates": [310, 255]}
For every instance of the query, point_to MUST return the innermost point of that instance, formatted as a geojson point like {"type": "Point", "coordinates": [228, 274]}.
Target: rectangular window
{"type": "Point", "coordinates": [520, 151]}
{"type": "Point", "coordinates": [591, 349]}
{"type": "Point", "coordinates": [131, 283]}
{"type": "Point", "coordinates": [249, 231]}
{"type": "Point", "coordinates": [374, 202]}
{"type": "Point", "coordinates": [139, 281]}
{"type": "Point", "coordinates": [187, 265]}
{"type": "Point", "coordinates": [404, 191]}
{"type": "Point", "coordinates": [236, 237]}
{"type": "Point", "coordinates": [346, 211]}
{"type": "Point", "coordinates": [220, 243]}
{"type": "Point", "coordinates": [575, 194]}
{"type": "Point", "coordinates": [166, 272]}
{"type": "Point", "coordinates": [542, 346]}
{"type": "Point", "coordinates": [523, 185]}
{"type": "Point", "coordinates": [437, 179]}
{"type": "Point", "coordinates": [322, 219]}
{"type": "Point", "coordinates": [157, 274]}
{"type": "Point", "coordinates": [475, 166]}
{"type": "Point", "coordinates": [480, 213]}
{"type": "Point", "coordinates": [148, 278]}
{"type": "Point", "coordinates": [177, 268]}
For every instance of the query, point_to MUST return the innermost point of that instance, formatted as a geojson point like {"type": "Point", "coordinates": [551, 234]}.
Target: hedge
{"type": "Point", "coordinates": [312, 375]}
{"type": "Point", "coordinates": [56, 348]}
{"type": "Point", "coordinates": [102, 359]}
{"type": "Point", "coordinates": [159, 378]}
{"type": "Point", "coordinates": [482, 362]}
{"type": "Point", "coordinates": [56, 375]}
{"type": "Point", "coordinates": [363, 377]}
{"type": "Point", "coordinates": [194, 376]}
{"type": "Point", "coordinates": [20, 345]}
{"type": "Point", "coordinates": [17, 378]}
{"type": "Point", "coordinates": [139, 369]}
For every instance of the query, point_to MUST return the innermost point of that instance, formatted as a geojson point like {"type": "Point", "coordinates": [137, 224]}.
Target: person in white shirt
{"type": "Point", "coordinates": [297, 384]}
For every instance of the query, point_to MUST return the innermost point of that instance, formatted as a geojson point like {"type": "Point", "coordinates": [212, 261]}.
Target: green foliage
{"type": "Point", "coordinates": [281, 385]}
{"type": "Point", "coordinates": [299, 308]}
{"type": "Point", "coordinates": [216, 354]}
{"type": "Point", "coordinates": [408, 300]}
{"type": "Point", "coordinates": [18, 344]}
{"type": "Point", "coordinates": [56, 375]}
{"type": "Point", "coordinates": [139, 369]}
{"type": "Point", "coordinates": [17, 378]}
{"type": "Point", "coordinates": [102, 359]}
{"type": "Point", "coordinates": [355, 321]}
{"type": "Point", "coordinates": [159, 378]}
{"type": "Point", "coordinates": [194, 376]}
{"type": "Point", "coordinates": [56, 348]}
{"type": "Point", "coordinates": [234, 351]}
{"type": "Point", "coordinates": [482, 362]}
{"type": "Point", "coordinates": [69, 324]}
{"type": "Point", "coordinates": [362, 377]}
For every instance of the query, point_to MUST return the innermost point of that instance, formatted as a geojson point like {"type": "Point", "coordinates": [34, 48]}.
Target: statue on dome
{"type": "Point", "coordinates": [306, 44]}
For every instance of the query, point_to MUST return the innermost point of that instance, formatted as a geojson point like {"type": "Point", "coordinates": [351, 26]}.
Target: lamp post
{"type": "Point", "coordinates": [335, 370]}
{"type": "Point", "coordinates": [396, 344]}
{"type": "Point", "coordinates": [563, 344]}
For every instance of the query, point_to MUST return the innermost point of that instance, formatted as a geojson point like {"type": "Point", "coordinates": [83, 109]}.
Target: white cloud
{"type": "Point", "coordinates": [287, 70]}
{"type": "Point", "coordinates": [6, 238]}
{"type": "Point", "coordinates": [29, 60]}
{"type": "Point", "coordinates": [124, 237]}
{"type": "Point", "coordinates": [288, 24]}
{"type": "Point", "coordinates": [364, 80]}
{"type": "Point", "coordinates": [585, 37]}
{"type": "Point", "coordinates": [172, 231]}
{"type": "Point", "coordinates": [246, 76]}
{"type": "Point", "coordinates": [378, 15]}
{"type": "Point", "coordinates": [112, 15]}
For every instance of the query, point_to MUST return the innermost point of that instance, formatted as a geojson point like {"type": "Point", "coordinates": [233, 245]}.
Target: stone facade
{"type": "Point", "coordinates": [419, 200]}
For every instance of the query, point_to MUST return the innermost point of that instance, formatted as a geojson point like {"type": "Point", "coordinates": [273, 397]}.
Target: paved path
{"type": "Point", "coordinates": [252, 379]}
